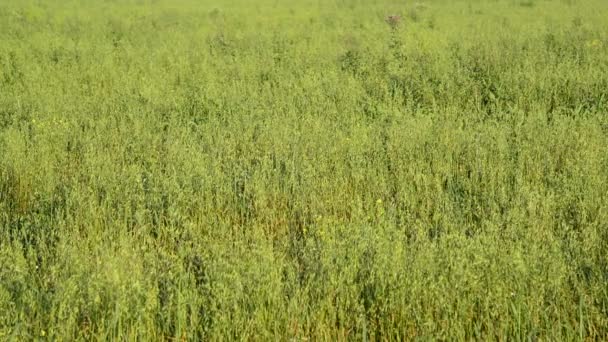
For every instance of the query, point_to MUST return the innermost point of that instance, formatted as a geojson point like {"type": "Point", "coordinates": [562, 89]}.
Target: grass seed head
{"type": "Point", "coordinates": [393, 21]}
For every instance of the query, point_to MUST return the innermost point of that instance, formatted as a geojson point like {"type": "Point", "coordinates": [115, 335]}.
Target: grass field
{"type": "Point", "coordinates": [303, 170]}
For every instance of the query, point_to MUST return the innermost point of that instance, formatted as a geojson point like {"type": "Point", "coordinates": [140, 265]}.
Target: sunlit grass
{"type": "Point", "coordinates": [315, 171]}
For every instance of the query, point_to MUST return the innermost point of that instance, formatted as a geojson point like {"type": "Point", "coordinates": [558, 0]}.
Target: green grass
{"type": "Point", "coordinates": [273, 170]}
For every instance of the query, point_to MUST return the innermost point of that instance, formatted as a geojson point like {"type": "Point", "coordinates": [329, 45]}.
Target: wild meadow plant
{"type": "Point", "coordinates": [271, 170]}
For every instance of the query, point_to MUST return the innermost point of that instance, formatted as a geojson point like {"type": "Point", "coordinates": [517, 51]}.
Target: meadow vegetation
{"type": "Point", "coordinates": [310, 170]}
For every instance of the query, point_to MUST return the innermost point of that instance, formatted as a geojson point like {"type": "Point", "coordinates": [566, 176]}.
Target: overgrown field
{"type": "Point", "coordinates": [303, 170]}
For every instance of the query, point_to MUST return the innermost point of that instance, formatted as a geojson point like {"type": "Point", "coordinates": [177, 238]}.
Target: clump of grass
{"type": "Point", "coordinates": [527, 3]}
